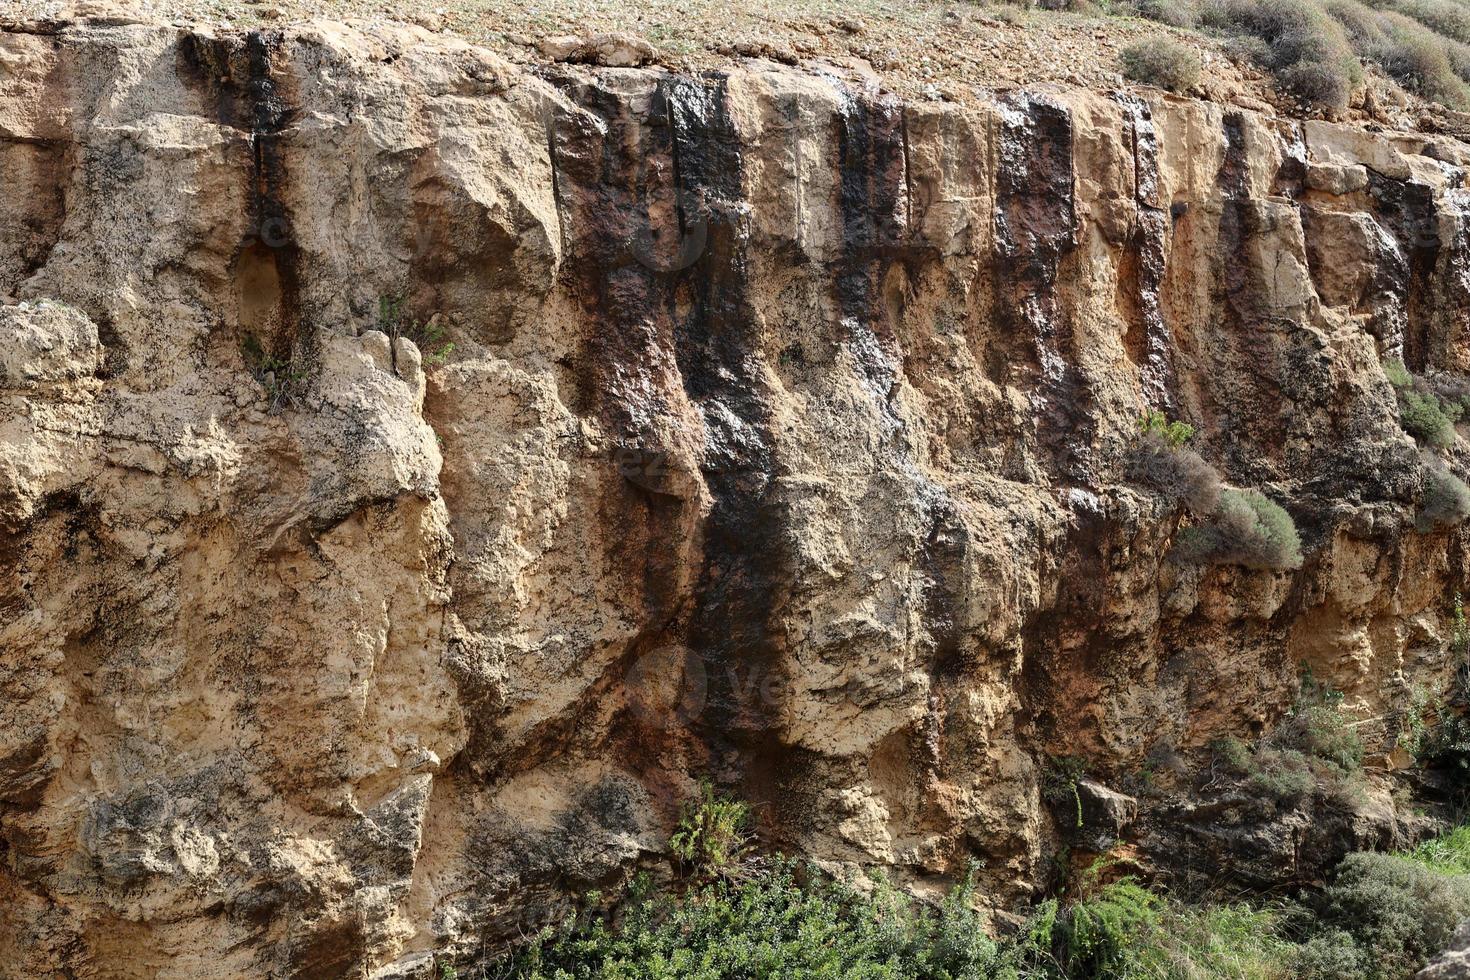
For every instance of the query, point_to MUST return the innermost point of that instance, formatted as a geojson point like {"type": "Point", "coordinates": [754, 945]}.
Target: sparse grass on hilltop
{"type": "Point", "coordinates": [1313, 47]}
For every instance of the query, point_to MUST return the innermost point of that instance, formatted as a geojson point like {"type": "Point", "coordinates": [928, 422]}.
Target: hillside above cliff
{"type": "Point", "coordinates": [1404, 63]}
{"type": "Point", "coordinates": [949, 50]}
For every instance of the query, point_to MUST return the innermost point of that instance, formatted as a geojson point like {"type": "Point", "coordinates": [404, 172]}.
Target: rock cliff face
{"type": "Point", "coordinates": [781, 441]}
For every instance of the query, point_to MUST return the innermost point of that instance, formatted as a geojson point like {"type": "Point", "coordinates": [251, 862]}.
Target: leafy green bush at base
{"type": "Point", "coordinates": [1380, 918]}
{"type": "Point", "coordinates": [711, 837]}
{"type": "Point", "coordinates": [772, 925]}
{"type": "Point", "coordinates": [1398, 911]}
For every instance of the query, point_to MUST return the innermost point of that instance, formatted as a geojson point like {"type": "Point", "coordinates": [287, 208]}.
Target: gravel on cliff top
{"type": "Point", "coordinates": [937, 49]}
{"type": "Point", "coordinates": [916, 47]}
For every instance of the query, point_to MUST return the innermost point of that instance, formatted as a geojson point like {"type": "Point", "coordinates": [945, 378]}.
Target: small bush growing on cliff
{"type": "Point", "coordinates": [1284, 775]}
{"type": "Point", "coordinates": [712, 837]}
{"type": "Point", "coordinates": [1313, 750]}
{"type": "Point", "coordinates": [1430, 421]}
{"type": "Point", "coordinates": [1162, 462]}
{"type": "Point", "coordinates": [1180, 475]}
{"type": "Point", "coordinates": [1247, 529]}
{"type": "Point", "coordinates": [1164, 62]}
{"type": "Point", "coordinates": [1397, 374]}
{"type": "Point", "coordinates": [1317, 727]}
{"type": "Point", "coordinates": [1423, 413]}
{"type": "Point", "coordinates": [1446, 500]}
{"type": "Point", "coordinates": [1156, 424]}
{"type": "Point", "coordinates": [279, 378]}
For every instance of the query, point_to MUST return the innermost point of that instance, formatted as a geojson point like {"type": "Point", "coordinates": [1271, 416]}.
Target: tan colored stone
{"type": "Point", "coordinates": [324, 643]}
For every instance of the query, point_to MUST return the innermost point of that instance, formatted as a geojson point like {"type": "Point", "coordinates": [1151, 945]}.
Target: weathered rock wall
{"type": "Point", "coordinates": [780, 442]}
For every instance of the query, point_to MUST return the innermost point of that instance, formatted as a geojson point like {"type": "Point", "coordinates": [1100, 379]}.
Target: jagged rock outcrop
{"type": "Point", "coordinates": [782, 440]}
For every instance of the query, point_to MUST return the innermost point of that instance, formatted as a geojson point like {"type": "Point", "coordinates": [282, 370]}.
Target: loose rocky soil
{"type": "Point", "coordinates": [920, 48]}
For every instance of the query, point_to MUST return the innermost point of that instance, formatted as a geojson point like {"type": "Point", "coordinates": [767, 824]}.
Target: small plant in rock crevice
{"type": "Point", "coordinates": [279, 377]}
{"type": "Point", "coordinates": [1156, 423]}
{"type": "Point", "coordinates": [1416, 719]}
{"type": "Point", "coordinates": [430, 336]}
{"type": "Point", "coordinates": [1459, 628]}
{"type": "Point", "coordinates": [1059, 785]}
{"type": "Point", "coordinates": [1313, 749]}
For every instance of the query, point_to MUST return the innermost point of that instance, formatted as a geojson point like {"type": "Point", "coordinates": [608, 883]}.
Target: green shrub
{"type": "Point", "coordinates": [1246, 529]}
{"type": "Point", "coordinates": [1104, 934]}
{"type": "Point", "coordinates": [1317, 83]}
{"type": "Point", "coordinates": [1156, 425]}
{"type": "Point", "coordinates": [1283, 775]}
{"type": "Point", "coordinates": [1175, 13]}
{"type": "Point", "coordinates": [1444, 17]}
{"type": "Point", "coordinates": [1317, 727]}
{"type": "Point", "coordinates": [1321, 732]}
{"type": "Point", "coordinates": [1446, 499]}
{"type": "Point", "coordinates": [711, 837]}
{"type": "Point", "coordinates": [1412, 54]}
{"type": "Point", "coordinates": [1426, 418]}
{"type": "Point", "coordinates": [787, 921]}
{"type": "Point", "coordinates": [1232, 755]}
{"type": "Point", "coordinates": [1332, 955]}
{"type": "Point", "coordinates": [1421, 63]}
{"type": "Point", "coordinates": [1397, 374]}
{"type": "Point", "coordinates": [1399, 911]}
{"type": "Point", "coordinates": [1313, 750]}
{"type": "Point", "coordinates": [1164, 62]}
{"type": "Point", "coordinates": [1378, 919]}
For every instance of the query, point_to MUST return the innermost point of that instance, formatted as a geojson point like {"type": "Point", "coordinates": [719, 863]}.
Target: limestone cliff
{"type": "Point", "coordinates": [417, 471]}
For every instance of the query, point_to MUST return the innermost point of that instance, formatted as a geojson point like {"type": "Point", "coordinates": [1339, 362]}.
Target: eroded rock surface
{"type": "Point", "coordinates": [781, 440]}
